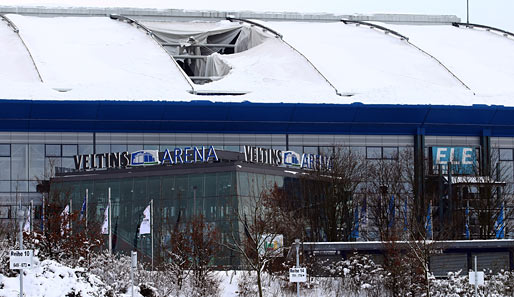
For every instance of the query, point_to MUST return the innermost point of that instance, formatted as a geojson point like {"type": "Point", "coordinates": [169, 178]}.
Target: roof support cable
{"type": "Point", "coordinates": [280, 36]}
{"type": "Point", "coordinates": [374, 26]}
{"type": "Point", "coordinates": [17, 31]}
{"type": "Point", "coordinates": [487, 28]}
{"type": "Point", "coordinates": [403, 37]}
{"type": "Point", "coordinates": [233, 19]}
{"type": "Point", "coordinates": [152, 35]}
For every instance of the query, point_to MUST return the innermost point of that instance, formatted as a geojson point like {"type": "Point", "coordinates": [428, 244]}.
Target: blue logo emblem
{"type": "Point", "coordinates": [145, 157]}
{"type": "Point", "coordinates": [292, 158]}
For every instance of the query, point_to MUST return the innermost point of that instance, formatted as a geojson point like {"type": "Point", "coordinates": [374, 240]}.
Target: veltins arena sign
{"type": "Point", "coordinates": [145, 158]}
{"type": "Point", "coordinates": [285, 158]}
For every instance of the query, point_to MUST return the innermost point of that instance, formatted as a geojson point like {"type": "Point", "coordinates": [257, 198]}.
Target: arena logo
{"type": "Point", "coordinates": [145, 158]}
{"type": "Point", "coordinates": [286, 158]}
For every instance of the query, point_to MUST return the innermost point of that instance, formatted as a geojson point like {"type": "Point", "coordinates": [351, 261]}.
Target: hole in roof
{"type": "Point", "coordinates": [198, 47]}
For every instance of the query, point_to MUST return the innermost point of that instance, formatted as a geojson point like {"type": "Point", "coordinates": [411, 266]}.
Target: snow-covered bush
{"type": "Point", "coordinates": [457, 285]}
{"type": "Point", "coordinates": [51, 279]}
{"type": "Point", "coordinates": [356, 276]}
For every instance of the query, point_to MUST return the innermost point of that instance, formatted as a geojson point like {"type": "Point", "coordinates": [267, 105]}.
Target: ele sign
{"type": "Point", "coordinates": [463, 159]}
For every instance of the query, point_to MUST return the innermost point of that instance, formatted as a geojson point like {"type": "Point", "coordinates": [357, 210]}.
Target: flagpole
{"type": "Point", "coordinates": [151, 226]}
{"type": "Point", "coordinates": [43, 214]}
{"type": "Point", "coordinates": [468, 235]}
{"type": "Point", "coordinates": [31, 211]}
{"type": "Point", "coordinates": [431, 225]}
{"type": "Point", "coordinates": [109, 222]}
{"type": "Point", "coordinates": [69, 216]}
{"type": "Point", "coordinates": [87, 194]}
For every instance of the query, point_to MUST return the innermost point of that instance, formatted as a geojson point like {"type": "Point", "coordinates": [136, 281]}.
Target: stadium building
{"type": "Point", "coordinates": [82, 85]}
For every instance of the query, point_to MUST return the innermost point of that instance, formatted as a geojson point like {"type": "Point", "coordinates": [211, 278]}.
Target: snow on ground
{"type": "Point", "coordinates": [51, 279]}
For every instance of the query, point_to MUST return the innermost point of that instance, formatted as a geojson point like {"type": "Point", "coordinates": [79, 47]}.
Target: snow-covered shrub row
{"type": "Point", "coordinates": [51, 279]}
{"type": "Point", "coordinates": [457, 285]}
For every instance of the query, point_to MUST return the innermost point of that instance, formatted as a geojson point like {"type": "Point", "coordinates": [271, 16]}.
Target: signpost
{"type": "Point", "coordinates": [133, 265]}
{"type": "Point", "coordinates": [20, 259]}
{"type": "Point", "coordinates": [476, 278]}
{"type": "Point", "coordinates": [297, 274]}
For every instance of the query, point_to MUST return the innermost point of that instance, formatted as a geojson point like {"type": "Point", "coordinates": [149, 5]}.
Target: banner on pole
{"type": "Point", "coordinates": [144, 228]}
{"type": "Point", "coordinates": [105, 225]}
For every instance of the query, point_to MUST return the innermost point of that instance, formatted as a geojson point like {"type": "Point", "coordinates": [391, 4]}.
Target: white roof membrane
{"type": "Point", "coordinates": [16, 65]}
{"type": "Point", "coordinates": [99, 58]}
{"type": "Point", "coordinates": [482, 60]}
{"type": "Point", "coordinates": [370, 64]}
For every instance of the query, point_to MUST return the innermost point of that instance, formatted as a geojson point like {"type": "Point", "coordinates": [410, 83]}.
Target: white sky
{"type": "Point", "coordinates": [499, 13]}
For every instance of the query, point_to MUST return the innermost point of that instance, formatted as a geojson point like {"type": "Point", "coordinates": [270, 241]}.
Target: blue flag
{"type": "Point", "coordinates": [83, 209]}
{"type": "Point", "coordinates": [391, 211]}
{"type": "Point", "coordinates": [364, 212]}
{"type": "Point", "coordinates": [499, 225]}
{"type": "Point", "coordinates": [355, 231]}
{"type": "Point", "coordinates": [428, 223]}
{"type": "Point", "coordinates": [467, 222]}
{"type": "Point", "coordinates": [405, 221]}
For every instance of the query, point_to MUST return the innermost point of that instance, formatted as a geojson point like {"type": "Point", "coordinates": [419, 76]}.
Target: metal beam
{"type": "Point", "coordinates": [200, 45]}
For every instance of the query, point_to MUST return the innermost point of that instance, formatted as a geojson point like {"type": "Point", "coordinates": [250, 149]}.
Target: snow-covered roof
{"type": "Point", "coordinates": [101, 58]}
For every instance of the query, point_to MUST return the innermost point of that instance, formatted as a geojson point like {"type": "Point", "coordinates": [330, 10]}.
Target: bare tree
{"type": "Point", "coordinates": [328, 194]}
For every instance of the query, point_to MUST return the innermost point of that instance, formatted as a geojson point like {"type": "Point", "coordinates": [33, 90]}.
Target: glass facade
{"type": "Point", "coordinates": [26, 158]}
{"type": "Point", "coordinates": [176, 200]}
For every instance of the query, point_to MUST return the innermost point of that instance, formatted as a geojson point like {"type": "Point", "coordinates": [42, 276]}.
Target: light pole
{"type": "Point", "coordinates": [467, 12]}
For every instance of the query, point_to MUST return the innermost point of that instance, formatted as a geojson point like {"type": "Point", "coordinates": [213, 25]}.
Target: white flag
{"type": "Point", "coordinates": [105, 225]}
{"type": "Point", "coordinates": [144, 228]}
{"type": "Point", "coordinates": [65, 226]}
{"type": "Point", "coordinates": [26, 227]}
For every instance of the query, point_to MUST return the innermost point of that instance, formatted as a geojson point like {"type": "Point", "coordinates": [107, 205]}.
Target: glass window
{"type": "Point", "coordinates": [118, 148]}
{"type": "Point", "coordinates": [36, 161]}
{"type": "Point", "coordinates": [506, 154]}
{"type": "Point", "coordinates": [5, 186]}
{"type": "Point", "coordinates": [151, 147]}
{"type": "Point", "coordinates": [310, 150]}
{"type": "Point", "coordinates": [53, 150]}
{"type": "Point", "coordinates": [373, 152]}
{"type": "Point", "coordinates": [390, 153]}
{"type": "Point", "coordinates": [19, 186]}
{"type": "Point", "coordinates": [5, 150]}
{"type": "Point", "coordinates": [50, 165]}
{"type": "Point", "coordinates": [102, 148]}
{"type": "Point", "coordinates": [5, 165]}
{"type": "Point", "coordinates": [33, 186]}
{"type": "Point", "coordinates": [232, 148]}
{"type": "Point", "coordinates": [69, 150]}
{"type": "Point", "coordinates": [85, 149]}
{"type": "Point", "coordinates": [326, 150]}
{"type": "Point", "coordinates": [19, 162]}
{"type": "Point", "coordinates": [4, 212]}
{"type": "Point", "coordinates": [506, 171]}
{"type": "Point", "coordinates": [68, 163]}
{"type": "Point", "coordinates": [134, 147]}
{"type": "Point", "coordinates": [297, 149]}
{"type": "Point", "coordinates": [358, 151]}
